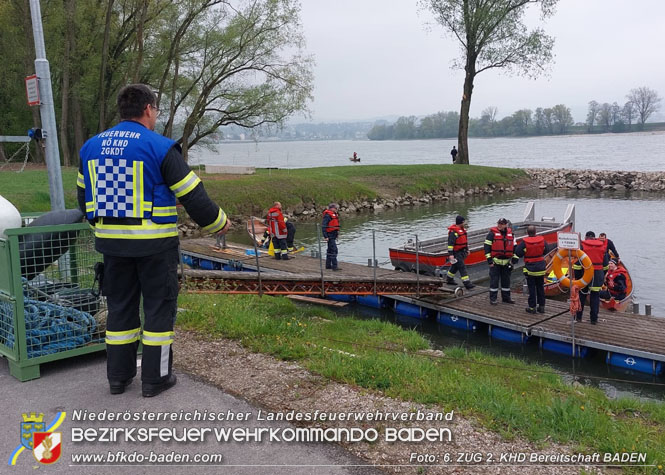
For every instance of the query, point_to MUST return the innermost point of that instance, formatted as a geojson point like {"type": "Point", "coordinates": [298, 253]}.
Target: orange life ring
{"type": "Point", "coordinates": [564, 280]}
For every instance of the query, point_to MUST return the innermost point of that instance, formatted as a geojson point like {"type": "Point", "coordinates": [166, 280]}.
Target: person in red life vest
{"type": "Point", "coordinates": [458, 249]}
{"type": "Point", "coordinates": [616, 283]}
{"type": "Point", "coordinates": [499, 247]}
{"type": "Point", "coordinates": [330, 229]}
{"type": "Point", "coordinates": [597, 252]}
{"type": "Point", "coordinates": [533, 249]}
{"type": "Point", "coordinates": [277, 226]}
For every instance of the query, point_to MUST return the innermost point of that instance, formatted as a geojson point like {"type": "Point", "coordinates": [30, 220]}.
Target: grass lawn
{"type": "Point", "coordinates": [504, 394]}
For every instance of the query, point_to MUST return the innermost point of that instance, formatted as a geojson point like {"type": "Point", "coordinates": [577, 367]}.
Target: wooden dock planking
{"type": "Point", "coordinates": [639, 334]}
{"type": "Point", "coordinates": [300, 264]}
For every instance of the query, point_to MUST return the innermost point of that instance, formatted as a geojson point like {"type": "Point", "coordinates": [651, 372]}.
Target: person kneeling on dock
{"type": "Point", "coordinates": [458, 249]}
{"type": "Point", "coordinates": [533, 249]}
{"type": "Point", "coordinates": [499, 246]}
{"type": "Point", "coordinates": [330, 229]}
{"type": "Point", "coordinates": [278, 231]}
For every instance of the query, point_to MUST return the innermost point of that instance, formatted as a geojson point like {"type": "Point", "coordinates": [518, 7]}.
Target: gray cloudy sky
{"type": "Point", "coordinates": [378, 57]}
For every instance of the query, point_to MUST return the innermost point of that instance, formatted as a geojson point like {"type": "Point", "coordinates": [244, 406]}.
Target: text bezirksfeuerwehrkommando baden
{"type": "Point", "coordinates": [225, 416]}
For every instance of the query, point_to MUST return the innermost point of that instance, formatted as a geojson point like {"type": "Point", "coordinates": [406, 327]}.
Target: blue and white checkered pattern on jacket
{"type": "Point", "coordinates": [115, 180]}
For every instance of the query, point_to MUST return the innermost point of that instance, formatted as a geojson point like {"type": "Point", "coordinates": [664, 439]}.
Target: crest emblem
{"type": "Point", "coordinates": [32, 423]}
{"type": "Point", "coordinates": [47, 446]}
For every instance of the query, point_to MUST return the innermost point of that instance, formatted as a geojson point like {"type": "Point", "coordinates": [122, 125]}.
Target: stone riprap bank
{"type": "Point", "coordinates": [597, 179]}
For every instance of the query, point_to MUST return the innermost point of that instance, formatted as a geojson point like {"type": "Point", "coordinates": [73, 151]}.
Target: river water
{"type": "Point", "coordinates": [632, 220]}
{"type": "Point", "coordinates": [634, 151]}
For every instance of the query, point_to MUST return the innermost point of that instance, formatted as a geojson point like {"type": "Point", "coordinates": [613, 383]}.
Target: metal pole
{"type": "Point", "coordinates": [318, 234]}
{"type": "Point", "coordinates": [374, 257]}
{"type": "Point", "coordinates": [647, 309]}
{"type": "Point", "coordinates": [417, 267]}
{"type": "Point", "coordinates": [256, 253]}
{"type": "Point", "coordinates": [570, 286]}
{"type": "Point", "coordinates": [46, 110]}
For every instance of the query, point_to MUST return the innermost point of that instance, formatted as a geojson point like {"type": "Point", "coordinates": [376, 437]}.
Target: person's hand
{"type": "Point", "coordinates": [510, 267]}
{"type": "Point", "coordinates": [452, 260]}
{"type": "Point", "coordinates": [325, 239]}
{"type": "Point", "coordinates": [225, 229]}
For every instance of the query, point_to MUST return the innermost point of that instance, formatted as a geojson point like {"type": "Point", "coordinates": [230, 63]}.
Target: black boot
{"type": "Point", "coordinates": [541, 308]}
{"type": "Point", "coordinates": [151, 390]}
{"type": "Point", "coordinates": [450, 281]}
{"type": "Point", "coordinates": [285, 257]}
{"type": "Point", "coordinates": [469, 285]}
{"type": "Point", "coordinates": [530, 310]}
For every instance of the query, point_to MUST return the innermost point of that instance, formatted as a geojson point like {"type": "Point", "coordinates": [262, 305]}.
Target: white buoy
{"type": "Point", "coordinates": [9, 216]}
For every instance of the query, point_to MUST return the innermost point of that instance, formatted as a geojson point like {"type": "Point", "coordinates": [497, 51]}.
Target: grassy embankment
{"type": "Point", "coordinates": [503, 394]}
{"type": "Point", "coordinates": [244, 195]}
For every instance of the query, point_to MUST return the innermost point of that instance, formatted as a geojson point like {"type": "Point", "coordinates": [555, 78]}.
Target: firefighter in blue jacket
{"type": "Point", "coordinates": [128, 181]}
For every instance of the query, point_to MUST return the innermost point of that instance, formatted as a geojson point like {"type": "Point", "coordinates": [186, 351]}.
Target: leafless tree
{"type": "Point", "coordinates": [646, 101]}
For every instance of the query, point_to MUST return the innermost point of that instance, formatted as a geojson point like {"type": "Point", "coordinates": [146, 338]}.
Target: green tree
{"type": "Point", "coordinates": [561, 119]}
{"type": "Point", "coordinates": [492, 34]}
{"type": "Point", "coordinates": [213, 62]}
{"type": "Point", "coordinates": [522, 121]}
{"type": "Point", "coordinates": [592, 115]}
{"type": "Point", "coordinates": [405, 128]}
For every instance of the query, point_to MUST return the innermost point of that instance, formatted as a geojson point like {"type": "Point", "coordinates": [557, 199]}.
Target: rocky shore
{"type": "Point", "coordinates": [597, 179]}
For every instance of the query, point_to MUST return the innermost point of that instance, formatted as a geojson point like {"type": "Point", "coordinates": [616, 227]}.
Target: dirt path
{"type": "Point", "coordinates": [275, 385]}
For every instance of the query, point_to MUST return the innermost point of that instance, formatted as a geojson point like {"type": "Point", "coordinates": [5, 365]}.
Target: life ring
{"type": "Point", "coordinates": [586, 264]}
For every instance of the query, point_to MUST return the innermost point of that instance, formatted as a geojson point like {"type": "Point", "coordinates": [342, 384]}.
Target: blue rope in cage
{"type": "Point", "coordinates": [49, 328]}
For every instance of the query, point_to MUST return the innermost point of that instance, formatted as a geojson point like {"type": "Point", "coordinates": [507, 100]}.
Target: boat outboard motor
{"type": "Point", "coordinates": [38, 251]}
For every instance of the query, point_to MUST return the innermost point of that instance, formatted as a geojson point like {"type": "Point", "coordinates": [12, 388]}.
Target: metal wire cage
{"type": "Point", "coordinates": [50, 303]}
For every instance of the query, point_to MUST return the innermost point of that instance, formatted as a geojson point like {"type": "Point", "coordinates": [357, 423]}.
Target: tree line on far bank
{"type": "Point", "coordinates": [544, 121]}
{"type": "Point", "coordinates": [556, 120]}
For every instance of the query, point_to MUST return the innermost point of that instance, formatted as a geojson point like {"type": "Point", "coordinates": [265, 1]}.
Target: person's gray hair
{"type": "Point", "coordinates": [333, 205]}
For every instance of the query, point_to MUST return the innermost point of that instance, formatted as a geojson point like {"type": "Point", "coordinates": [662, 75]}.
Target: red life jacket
{"type": "Point", "coordinates": [461, 241]}
{"type": "Point", "coordinates": [333, 225]}
{"type": "Point", "coordinates": [276, 223]}
{"type": "Point", "coordinates": [613, 275]}
{"type": "Point", "coordinates": [595, 249]}
{"type": "Point", "coordinates": [534, 247]}
{"type": "Point", "coordinates": [503, 245]}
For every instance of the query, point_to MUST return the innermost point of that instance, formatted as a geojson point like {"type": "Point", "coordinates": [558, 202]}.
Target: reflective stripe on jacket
{"type": "Point", "coordinates": [276, 223]}
{"type": "Point", "coordinates": [500, 245]}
